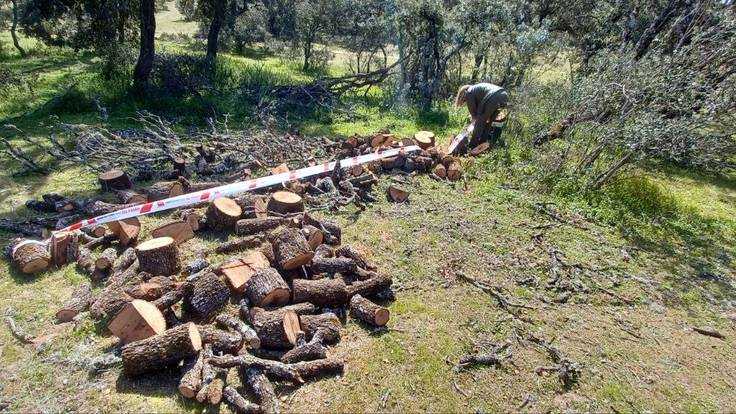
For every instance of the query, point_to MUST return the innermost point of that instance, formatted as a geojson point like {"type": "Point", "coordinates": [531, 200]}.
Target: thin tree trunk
{"type": "Point", "coordinates": [651, 32]}
{"type": "Point", "coordinates": [144, 65]}
{"type": "Point", "coordinates": [213, 36]}
{"type": "Point", "coordinates": [14, 26]}
{"type": "Point", "coordinates": [604, 177]}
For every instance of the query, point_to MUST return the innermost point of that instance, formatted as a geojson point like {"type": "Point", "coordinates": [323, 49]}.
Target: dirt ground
{"type": "Point", "coordinates": [623, 314]}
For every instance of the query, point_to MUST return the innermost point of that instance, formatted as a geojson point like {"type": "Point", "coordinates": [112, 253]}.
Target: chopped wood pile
{"type": "Point", "coordinates": [266, 313]}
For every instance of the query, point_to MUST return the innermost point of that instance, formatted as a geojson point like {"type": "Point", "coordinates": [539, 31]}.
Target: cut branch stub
{"type": "Point", "coordinates": [158, 256]}
{"type": "Point", "coordinates": [115, 179]}
{"type": "Point", "coordinates": [223, 213]}
{"type": "Point", "coordinates": [31, 256]}
{"type": "Point", "coordinates": [285, 202]}
{"type": "Point", "coordinates": [266, 287]}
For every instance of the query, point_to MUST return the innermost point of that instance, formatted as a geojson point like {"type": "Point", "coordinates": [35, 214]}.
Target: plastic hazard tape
{"type": "Point", "coordinates": [234, 188]}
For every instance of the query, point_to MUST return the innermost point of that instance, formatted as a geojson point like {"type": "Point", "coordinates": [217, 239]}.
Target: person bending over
{"type": "Point", "coordinates": [483, 100]}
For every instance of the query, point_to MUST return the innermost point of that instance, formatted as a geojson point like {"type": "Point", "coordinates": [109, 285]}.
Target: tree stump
{"type": "Point", "coordinates": [239, 271]}
{"type": "Point", "coordinates": [267, 287]}
{"type": "Point", "coordinates": [180, 231]}
{"type": "Point", "coordinates": [31, 256]}
{"type": "Point", "coordinates": [321, 292]}
{"type": "Point", "coordinates": [158, 256]}
{"type": "Point", "coordinates": [160, 351]}
{"type": "Point", "coordinates": [205, 296]}
{"type": "Point", "coordinates": [285, 202]}
{"type": "Point", "coordinates": [425, 139]}
{"type": "Point", "coordinates": [291, 249]}
{"type": "Point", "coordinates": [164, 189]}
{"type": "Point", "coordinates": [222, 214]}
{"type": "Point", "coordinates": [368, 312]}
{"type": "Point", "coordinates": [114, 179]}
{"type": "Point", "coordinates": [78, 303]}
{"type": "Point", "coordinates": [137, 320]}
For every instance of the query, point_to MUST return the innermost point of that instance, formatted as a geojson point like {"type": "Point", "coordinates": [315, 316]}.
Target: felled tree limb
{"type": "Point", "coordinates": [275, 369]}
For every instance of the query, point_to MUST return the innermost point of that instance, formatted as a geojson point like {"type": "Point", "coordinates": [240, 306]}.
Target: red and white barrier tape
{"type": "Point", "coordinates": [234, 188]}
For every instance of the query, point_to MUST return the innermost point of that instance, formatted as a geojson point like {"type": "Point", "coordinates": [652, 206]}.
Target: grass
{"type": "Point", "coordinates": [677, 229]}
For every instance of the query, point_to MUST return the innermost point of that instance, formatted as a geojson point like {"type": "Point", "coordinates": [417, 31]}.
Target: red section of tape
{"type": "Point", "coordinates": [146, 208]}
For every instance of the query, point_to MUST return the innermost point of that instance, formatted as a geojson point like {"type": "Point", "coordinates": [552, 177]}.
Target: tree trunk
{"type": "Point", "coordinates": [651, 32]}
{"type": "Point", "coordinates": [144, 65]}
{"type": "Point", "coordinates": [218, 17]}
{"type": "Point", "coordinates": [14, 25]}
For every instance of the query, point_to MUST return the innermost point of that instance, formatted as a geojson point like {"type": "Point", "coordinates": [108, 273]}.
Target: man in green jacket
{"type": "Point", "coordinates": [484, 100]}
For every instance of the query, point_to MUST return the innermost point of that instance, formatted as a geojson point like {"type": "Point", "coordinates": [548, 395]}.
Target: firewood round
{"type": "Point", "coordinates": [115, 179]}
{"type": "Point", "coordinates": [267, 287]}
{"type": "Point", "coordinates": [285, 202]}
{"type": "Point", "coordinates": [158, 256]}
{"type": "Point", "coordinates": [397, 194]}
{"type": "Point", "coordinates": [137, 320]}
{"type": "Point", "coordinates": [223, 213]}
{"type": "Point", "coordinates": [291, 249]}
{"type": "Point", "coordinates": [425, 139]}
{"type": "Point", "coordinates": [160, 351]}
{"type": "Point", "coordinates": [368, 312]}
{"type": "Point", "coordinates": [31, 256]}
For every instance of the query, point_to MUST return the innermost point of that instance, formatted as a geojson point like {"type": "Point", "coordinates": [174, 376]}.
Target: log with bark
{"type": "Point", "coordinates": [270, 326]}
{"type": "Point", "coordinates": [127, 230]}
{"type": "Point", "coordinates": [250, 337]}
{"type": "Point", "coordinates": [106, 259]}
{"type": "Point", "coordinates": [239, 404]}
{"type": "Point", "coordinates": [353, 253]}
{"type": "Point", "coordinates": [205, 296]}
{"type": "Point", "coordinates": [220, 340]}
{"type": "Point", "coordinates": [180, 231]}
{"type": "Point", "coordinates": [109, 302]}
{"type": "Point", "coordinates": [285, 202]}
{"type": "Point", "coordinates": [328, 322]}
{"type": "Point", "coordinates": [370, 286]}
{"type": "Point", "coordinates": [30, 256]}
{"type": "Point", "coordinates": [222, 214]}
{"type": "Point", "coordinates": [171, 297]}
{"type": "Point", "coordinates": [273, 369]}
{"type": "Point", "coordinates": [130, 197]}
{"type": "Point", "coordinates": [266, 287]}
{"type": "Point", "coordinates": [291, 249]}
{"type": "Point", "coordinates": [239, 244]}
{"type": "Point", "coordinates": [253, 226]}
{"type": "Point", "coordinates": [258, 385]}
{"type": "Point", "coordinates": [193, 218]}
{"type": "Point", "coordinates": [332, 232]}
{"type": "Point", "coordinates": [158, 256]}
{"type": "Point", "coordinates": [77, 303]}
{"type": "Point", "coordinates": [191, 380]}
{"type": "Point", "coordinates": [164, 189]}
{"type": "Point", "coordinates": [321, 292]}
{"type": "Point", "coordinates": [332, 265]}
{"type": "Point", "coordinates": [368, 312]}
{"type": "Point", "coordinates": [309, 370]}
{"type": "Point", "coordinates": [114, 179]}
{"type": "Point", "coordinates": [307, 351]}
{"type": "Point", "coordinates": [151, 289]}
{"type": "Point", "coordinates": [137, 320]}
{"type": "Point", "coordinates": [238, 271]}
{"type": "Point", "coordinates": [314, 236]}
{"type": "Point", "coordinates": [161, 351]}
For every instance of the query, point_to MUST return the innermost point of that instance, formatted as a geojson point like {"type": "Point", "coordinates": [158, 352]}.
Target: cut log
{"type": "Point", "coordinates": [397, 194]}
{"type": "Point", "coordinates": [307, 351]}
{"type": "Point", "coordinates": [106, 259]}
{"type": "Point", "coordinates": [221, 341]}
{"type": "Point", "coordinates": [152, 289]}
{"type": "Point", "coordinates": [327, 321]}
{"type": "Point", "coordinates": [321, 292]}
{"type": "Point", "coordinates": [160, 351]}
{"type": "Point", "coordinates": [195, 266]}
{"type": "Point", "coordinates": [171, 297]}
{"type": "Point", "coordinates": [262, 389]}
{"type": "Point", "coordinates": [239, 404]}
{"type": "Point", "coordinates": [314, 236]}
{"type": "Point", "coordinates": [95, 231]}
{"type": "Point", "coordinates": [124, 261]}
{"type": "Point", "coordinates": [237, 272]}
{"type": "Point", "coordinates": [239, 244]}
{"type": "Point", "coordinates": [454, 171]}
{"type": "Point", "coordinates": [158, 256]}
{"type": "Point", "coordinates": [257, 225]}
{"type": "Point", "coordinates": [481, 148]}
{"type": "Point", "coordinates": [78, 303]}
{"type": "Point", "coordinates": [370, 286]}
{"type": "Point", "coordinates": [440, 171]}
{"type": "Point", "coordinates": [353, 253]}
{"type": "Point", "coordinates": [137, 320]}
{"type": "Point", "coordinates": [109, 303]}
{"type": "Point", "coordinates": [190, 187]}
{"type": "Point", "coordinates": [285, 202]}
{"type": "Point", "coordinates": [266, 287]}
{"type": "Point", "coordinates": [85, 263]}
{"type": "Point", "coordinates": [191, 381]}
{"type": "Point", "coordinates": [59, 246]}
{"type": "Point", "coordinates": [368, 312]}
{"type": "Point", "coordinates": [270, 325]}
{"type": "Point", "coordinates": [332, 232]}
{"type": "Point", "coordinates": [292, 327]}
{"type": "Point", "coordinates": [222, 214]}
{"type": "Point", "coordinates": [164, 189]}
{"type": "Point", "coordinates": [291, 249]}
{"type": "Point", "coordinates": [205, 296]}
{"type": "Point", "coordinates": [309, 370]}
{"type": "Point", "coordinates": [114, 179]}
{"type": "Point", "coordinates": [180, 231]}
{"type": "Point", "coordinates": [130, 197]}
{"type": "Point", "coordinates": [260, 207]}
{"type": "Point", "coordinates": [31, 256]}
{"type": "Point", "coordinates": [274, 369]}
{"type": "Point", "coordinates": [193, 218]}
{"type": "Point", "coordinates": [333, 265]}
{"type": "Point", "coordinates": [127, 230]}
{"type": "Point", "coordinates": [425, 139]}
{"type": "Point", "coordinates": [250, 337]}
{"type": "Point", "coordinates": [280, 169]}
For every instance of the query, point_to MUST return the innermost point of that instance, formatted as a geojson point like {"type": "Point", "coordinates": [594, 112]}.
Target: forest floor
{"type": "Point", "coordinates": [623, 306]}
